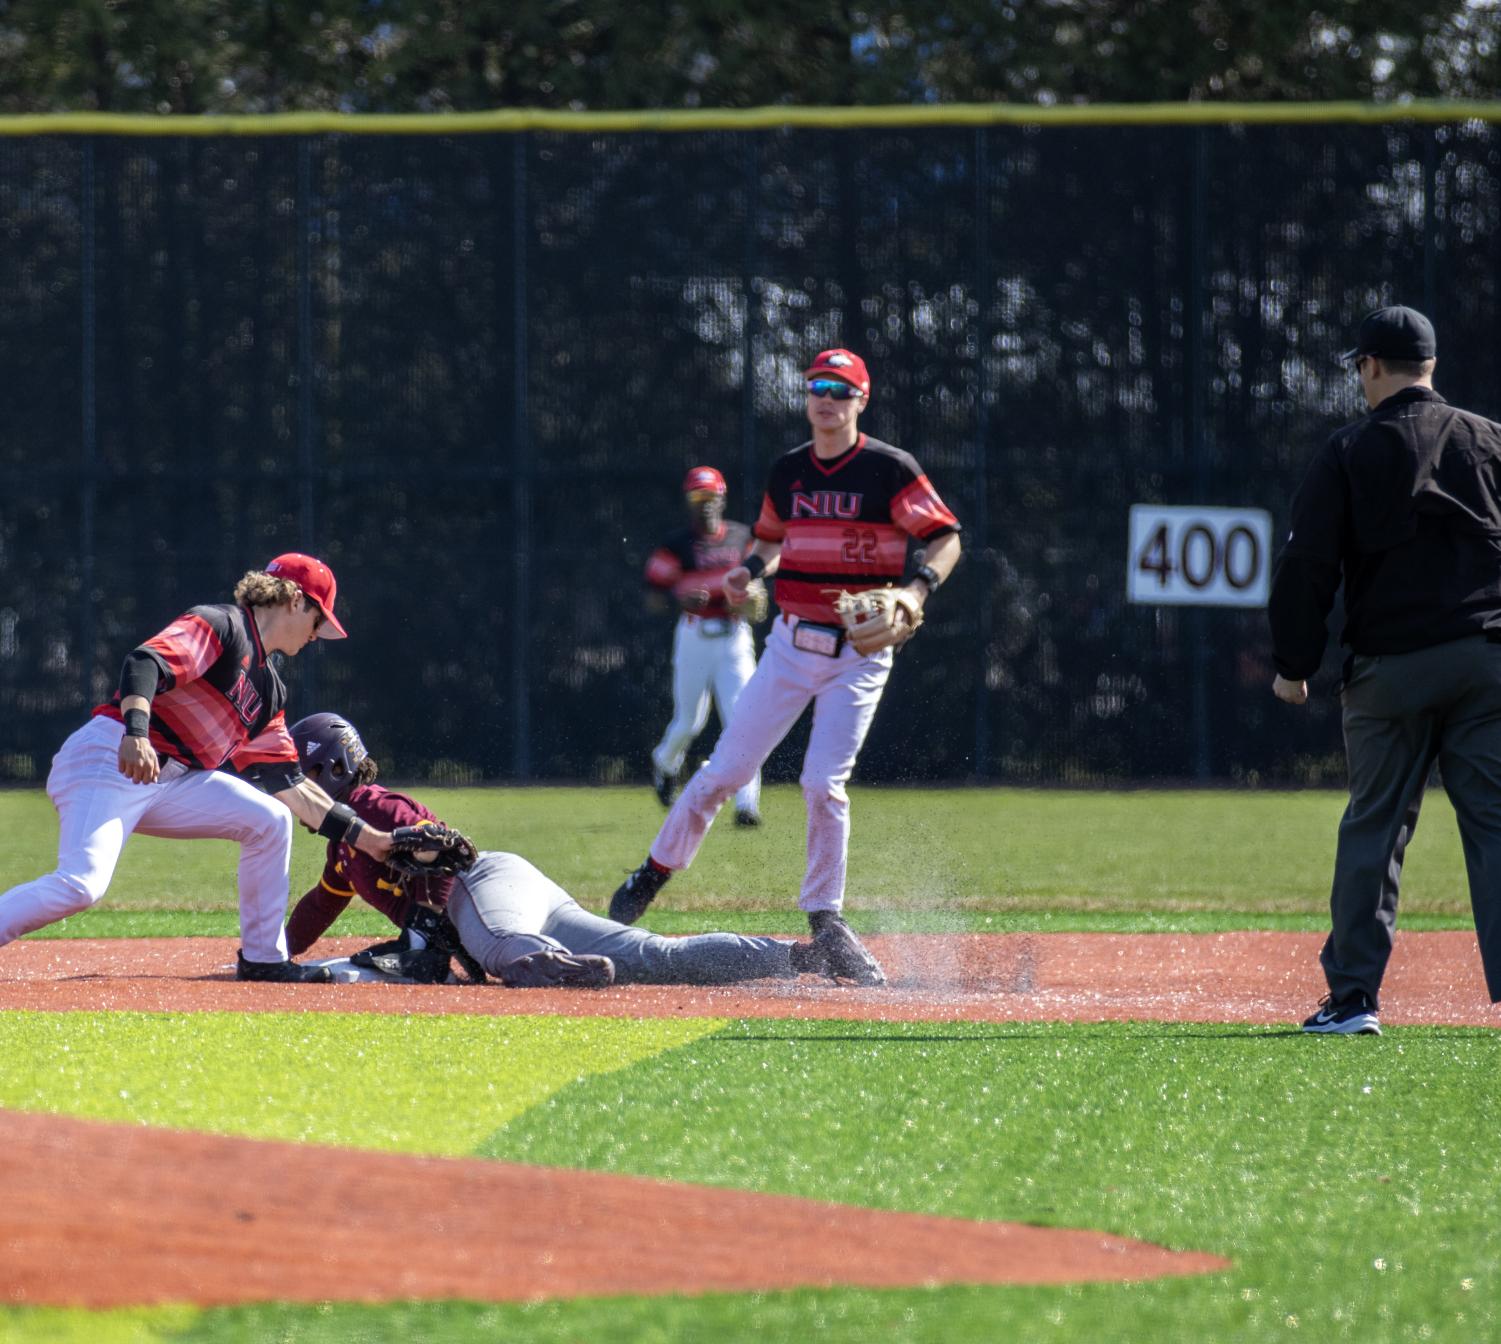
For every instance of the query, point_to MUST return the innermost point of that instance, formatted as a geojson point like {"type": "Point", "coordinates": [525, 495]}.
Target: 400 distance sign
{"type": "Point", "coordinates": [1199, 557]}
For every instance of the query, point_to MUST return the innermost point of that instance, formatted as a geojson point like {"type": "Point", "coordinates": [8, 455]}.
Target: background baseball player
{"type": "Point", "coordinates": [498, 911]}
{"type": "Point", "coordinates": [837, 516]}
{"type": "Point", "coordinates": [713, 650]}
{"type": "Point", "coordinates": [200, 694]}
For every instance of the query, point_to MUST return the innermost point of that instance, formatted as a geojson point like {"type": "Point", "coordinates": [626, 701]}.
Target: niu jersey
{"type": "Point", "coordinates": [349, 873]}
{"type": "Point", "coordinates": [218, 698]}
{"type": "Point", "coordinates": [844, 523]}
{"type": "Point", "coordinates": [688, 560]}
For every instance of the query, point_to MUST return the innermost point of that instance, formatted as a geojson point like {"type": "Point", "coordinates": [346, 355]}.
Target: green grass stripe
{"type": "Point", "coordinates": [919, 858]}
{"type": "Point", "coordinates": [754, 118]}
{"type": "Point", "coordinates": [436, 1085]}
{"type": "Point", "coordinates": [1342, 1175]}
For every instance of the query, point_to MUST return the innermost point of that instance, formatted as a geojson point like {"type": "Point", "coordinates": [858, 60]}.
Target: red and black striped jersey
{"type": "Point", "coordinates": [844, 522]}
{"type": "Point", "coordinates": [218, 700]}
{"type": "Point", "coordinates": [688, 560]}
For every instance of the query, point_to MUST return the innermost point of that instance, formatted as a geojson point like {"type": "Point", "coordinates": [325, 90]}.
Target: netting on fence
{"type": "Point", "coordinates": [470, 371]}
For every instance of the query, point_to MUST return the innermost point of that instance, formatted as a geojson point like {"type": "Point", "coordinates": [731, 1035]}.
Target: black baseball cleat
{"type": "Point", "coordinates": [844, 955]}
{"type": "Point", "coordinates": [558, 970]}
{"type": "Point", "coordinates": [281, 972]}
{"type": "Point", "coordinates": [665, 786]}
{"type": "Point", "coordinates": [1353, 1016]}
{"type": "Point", "coordinates": [747, 816]}
{"type": "Point", "coordinates": [637, 892]}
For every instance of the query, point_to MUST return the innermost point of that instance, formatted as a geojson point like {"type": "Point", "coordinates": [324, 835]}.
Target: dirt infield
{"type": "Point", "coordinates": [102, 1215]}
{"type": "Point", "coordinates": [1434, 979]}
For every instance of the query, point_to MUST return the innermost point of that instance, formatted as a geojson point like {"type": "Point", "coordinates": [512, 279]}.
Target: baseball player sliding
{"type": "Point", "coordinates": [712, 648]}
{"type": "Point", "coordinates": [833, 529]}
{"type": "Point", "coordinates": [494, 912]}
{"type": "Point", "coordinates": [200, 694]}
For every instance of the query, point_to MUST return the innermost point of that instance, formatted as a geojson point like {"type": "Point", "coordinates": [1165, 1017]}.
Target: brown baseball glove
{"type": "Point", "coordinates": [755, 605]}
{"type": "Point", "coordinates": [879, 618]}
{"type": "Point", "coordinates": [430, 849]}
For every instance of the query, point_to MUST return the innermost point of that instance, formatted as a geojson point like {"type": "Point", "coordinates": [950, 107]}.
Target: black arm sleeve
{"type": "Point", "coordinates": [272, 776]}
{"type": "Point", "coordinates": [140, 675]}
{"type": "Point", "coordinates": [1308, 572]}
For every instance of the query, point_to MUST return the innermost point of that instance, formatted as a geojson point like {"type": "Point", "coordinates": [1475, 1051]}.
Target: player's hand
{"type": "Point", "coordinates": [694, 599]}
{"type": "Point", "coordinates": [138, 762]}
{"type": "Point", "coordinates": [735, 584]}
{"type": "Point", "coordinates": [377, 844]}
{"type": "Point", "coordinates": [1291, 692]}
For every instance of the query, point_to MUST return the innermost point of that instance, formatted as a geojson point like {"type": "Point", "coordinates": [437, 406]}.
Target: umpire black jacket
{"type": "Point", "coordinates": [1405, 504]}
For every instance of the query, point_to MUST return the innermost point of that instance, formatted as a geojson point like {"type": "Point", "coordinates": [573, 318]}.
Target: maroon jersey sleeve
{"type": "Point", "coordinates": [372, 880]}
{"type": "Point", "coordinates": [314, 915]}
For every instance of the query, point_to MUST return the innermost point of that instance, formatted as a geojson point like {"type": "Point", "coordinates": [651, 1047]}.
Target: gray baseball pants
{"type": "Point", "coordinates": [503, 897]}
{"type": "Point", "coordinates": [1403, 712]}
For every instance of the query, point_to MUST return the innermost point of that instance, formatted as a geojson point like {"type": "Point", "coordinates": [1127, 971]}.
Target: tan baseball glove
{"type": "Point", "coordinates": [879, 618]}
{"type": "Point", "coordinates": [755, 605]}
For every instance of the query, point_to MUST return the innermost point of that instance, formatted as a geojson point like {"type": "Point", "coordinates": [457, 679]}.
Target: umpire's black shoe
{"type": "Point", "coordinates": [637, 892]}
{"type": "Point", "coordinates": [844, 955]}
{"type": "Point", "coordinates": [665, 786]}
{"type": "Point", "coordinates": [747, 816]}
{"type": "Point", "coordinates": [281, 972]}
{"type": "Point", "coordinates": [1354, 1016]}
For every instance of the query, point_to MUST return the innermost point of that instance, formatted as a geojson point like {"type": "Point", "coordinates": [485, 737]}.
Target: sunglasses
{"type": "Point", "coordinates": [832, 387]}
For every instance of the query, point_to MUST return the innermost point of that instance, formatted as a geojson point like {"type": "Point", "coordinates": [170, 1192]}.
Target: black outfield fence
{"type": "Point", "coordinates": [469, 367]}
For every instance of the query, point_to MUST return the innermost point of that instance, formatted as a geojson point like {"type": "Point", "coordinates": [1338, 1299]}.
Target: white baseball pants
{"type": "Point", "coordinates": [703, 663]}
{"type": "Point", "coordinates": [845, 692]}
{"type": "Point", "coordinates": [98, 808]}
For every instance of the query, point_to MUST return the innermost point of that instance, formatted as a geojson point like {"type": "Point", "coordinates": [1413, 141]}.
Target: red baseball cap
{"type": "Point", "coordinates": [845, 365]}
{"type": "Point", "coordinates": [317, 581]}
{"type": "Point", "coordinates": [703, 479]}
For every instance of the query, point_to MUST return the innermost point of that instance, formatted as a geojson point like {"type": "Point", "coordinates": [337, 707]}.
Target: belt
{"type": "Point", "coordinates": [712, 627]}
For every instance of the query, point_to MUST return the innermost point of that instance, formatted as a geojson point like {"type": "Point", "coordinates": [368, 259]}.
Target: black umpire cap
{"type": "Point", "coordinates": [1394, 333]}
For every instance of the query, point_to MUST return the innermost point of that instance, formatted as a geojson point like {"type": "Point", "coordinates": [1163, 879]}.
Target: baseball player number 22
{"type": "Point", "coordinates": [1205, 557]}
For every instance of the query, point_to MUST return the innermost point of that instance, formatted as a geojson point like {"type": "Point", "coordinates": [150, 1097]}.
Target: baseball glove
{"type": "Point", "coordinates": [430, 850]}
{"type": "Point", "coordinates": [879, 618]}
{"type": "Point", "coordinates": [754, 606]}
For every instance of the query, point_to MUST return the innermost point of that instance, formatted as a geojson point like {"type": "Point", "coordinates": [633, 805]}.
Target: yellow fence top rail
{"type": "Point", "coordinates": [754, 118]}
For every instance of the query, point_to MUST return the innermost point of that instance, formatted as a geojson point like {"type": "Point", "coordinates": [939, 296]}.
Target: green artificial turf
{"type": "Point", "coordinates": [1350, 1180]}
{"type": "Point", "coordinates": [921, 859]}
{"type": "Point", "coordinates": [381, 1081]}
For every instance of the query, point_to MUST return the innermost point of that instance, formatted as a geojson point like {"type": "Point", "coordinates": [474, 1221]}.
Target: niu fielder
{"type": "Point", "coordinates": [201, 694]}
{"type": "Point", "coordinates": [713, 652]}
{"type": "Point", "coordinates": [837, 516]}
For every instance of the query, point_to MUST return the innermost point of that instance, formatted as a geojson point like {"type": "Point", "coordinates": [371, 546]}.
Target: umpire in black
{"type": "Point", "coordinates": [1404, 506]}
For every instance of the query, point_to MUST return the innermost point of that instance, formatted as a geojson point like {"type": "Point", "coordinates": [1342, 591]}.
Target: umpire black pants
{"type": "Point", "coordinates": [1403, 712]}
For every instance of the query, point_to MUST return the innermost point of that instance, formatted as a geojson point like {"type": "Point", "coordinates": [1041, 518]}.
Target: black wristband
{"type": "Point", "coordinates": [137, 722]}
{"type": "Point", "coordinates": [339, 822]}
{"type": "Point", "coordinates": [929, 576]}
{"type": "Point", "coordinates": [756, 564]}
